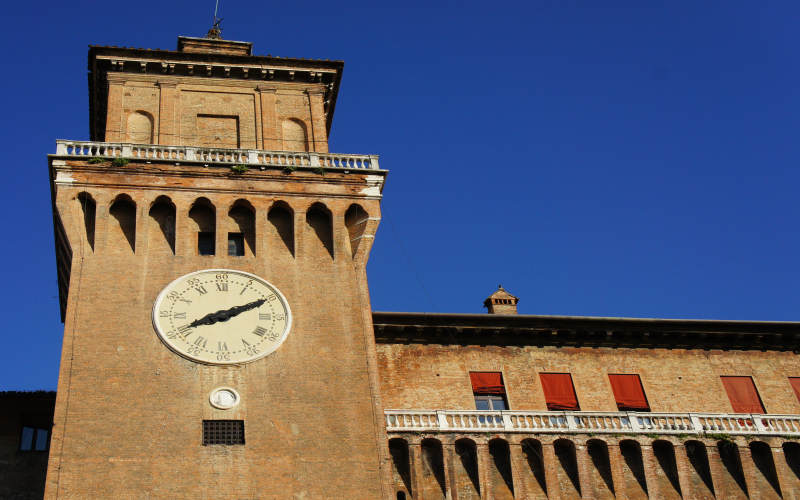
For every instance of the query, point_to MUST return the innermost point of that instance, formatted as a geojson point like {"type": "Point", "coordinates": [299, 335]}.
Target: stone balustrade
{"type": "Point", "coordinates": [249, 157]}
{"type": "Point", "coordinates": [590, 422]}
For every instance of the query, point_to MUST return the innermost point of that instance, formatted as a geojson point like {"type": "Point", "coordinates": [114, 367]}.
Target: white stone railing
{"type": "Point", "coordinates": [249, 157]}
{"type": "Point", "coordinates": [590, 422]}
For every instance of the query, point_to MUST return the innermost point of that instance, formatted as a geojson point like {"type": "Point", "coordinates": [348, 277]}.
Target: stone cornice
{"type": "Point", "coordinates": [211, 84]}
{"type": "Point", "coordinates": [529, 330]}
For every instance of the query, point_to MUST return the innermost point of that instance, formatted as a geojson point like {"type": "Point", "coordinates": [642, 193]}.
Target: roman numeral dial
{"type": "Point", "coordinates": [221, 316]}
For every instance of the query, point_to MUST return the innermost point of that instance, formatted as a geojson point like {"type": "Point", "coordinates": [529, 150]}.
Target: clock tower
{"type": "Point", "coordinates": [211, 260]}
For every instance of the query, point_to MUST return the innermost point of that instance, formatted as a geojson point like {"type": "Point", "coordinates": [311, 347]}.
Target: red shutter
{"type": "Point", "coordinates": [559, 392]}
{"type": "Point", "coordinates": [795, 381]}
{"type": "Point", "coordinates": [629, 393]}
{"type": "Point", "coordinates": [743, 394]}
{"type": "Point", "coordinates": [487, 382]}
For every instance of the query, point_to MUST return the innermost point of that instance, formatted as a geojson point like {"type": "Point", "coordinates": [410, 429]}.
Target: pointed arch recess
{"type": "Point", "coordinates": [123, 210]}
{"type": "Point", "coordinates": [355, 220]}
{"type": "Point", "coordinates": [89, 211]}
{"type": "Point", "coordinates": [281, 226]}
{"type": "Point", "coordinates": [243, 216]}
{"type": "Point", "coordinates": [320, 220]}
{"type": "Point", "coordinates": [161, 233]}
{"type": "Point", "coordinates": [204, 215]}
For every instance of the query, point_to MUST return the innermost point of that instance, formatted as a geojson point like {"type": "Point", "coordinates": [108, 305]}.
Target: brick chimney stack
{"type": "Point", "coordinates": [501, 302]}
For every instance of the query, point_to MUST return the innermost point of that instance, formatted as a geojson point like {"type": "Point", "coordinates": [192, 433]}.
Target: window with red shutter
{"type": "Point", "coordinates": [795, 382]}
{"type": "Point", "coordinates": [628, 392]}
{"type": "Point", "coordinates": [743, 394]}
{"type": "Point", "coordinates": [559, 393]}
{"type": "Point", "coordinates": [489, 391]}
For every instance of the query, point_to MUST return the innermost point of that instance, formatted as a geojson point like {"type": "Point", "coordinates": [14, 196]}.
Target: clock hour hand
{"type": "Point", "coordinates": [225, 314]}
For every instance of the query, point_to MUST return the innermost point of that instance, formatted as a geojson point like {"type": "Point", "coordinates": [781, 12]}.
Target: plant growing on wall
{"type": "Point", "coordinates": [319, 170]}
{"type": "Point", "coordinates": [97, 159]}
{"type": "Point", "coordinates": [120, 162]}
{"type": "Point", "coordinates": [288, 169]}
{"type": "Point", "coordinates": [239, 169]}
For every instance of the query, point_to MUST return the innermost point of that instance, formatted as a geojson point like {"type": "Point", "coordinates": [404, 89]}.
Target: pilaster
{"type": "Point", "coordinates": [550, 474]}
{"type": "Point", "coordinates": [516, 459]}
{"type": "Point", "coordinates": [270, 135]}
{"type": "Point", "coordinates": [114, 118]}
{"type": "Point", "coordinates": [167, 129]}
{"type": "Point", "coordinates": [319, 133]}
{"type": "Point", "coordinates": [482, 455]}
{"type": "Point", "coordinates": [615, 464]}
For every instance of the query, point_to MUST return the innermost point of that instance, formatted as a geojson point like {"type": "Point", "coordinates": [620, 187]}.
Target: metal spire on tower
{"type": "Point", "coordinates": [216, 31]}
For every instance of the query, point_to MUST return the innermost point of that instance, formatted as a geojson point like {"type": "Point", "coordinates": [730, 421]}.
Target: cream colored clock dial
{"type": "Point", "coordinates": [221, 316]}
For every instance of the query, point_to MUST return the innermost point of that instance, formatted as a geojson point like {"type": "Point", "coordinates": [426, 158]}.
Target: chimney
{"type": "Point", "coordinates": [501, 302]}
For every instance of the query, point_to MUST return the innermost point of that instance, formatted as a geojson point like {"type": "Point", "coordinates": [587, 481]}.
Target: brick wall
{"type": "Point", "coordinates": [129, 411]}
{"type": "Point", "coordinates": [428, 376]}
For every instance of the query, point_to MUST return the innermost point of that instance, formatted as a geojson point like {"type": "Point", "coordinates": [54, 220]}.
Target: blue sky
{"type": "Point", "coordinates": [596, 158]}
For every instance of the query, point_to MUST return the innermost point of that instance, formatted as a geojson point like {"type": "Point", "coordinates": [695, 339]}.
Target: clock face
{"type": "Point", "coordinates": [221, 316]}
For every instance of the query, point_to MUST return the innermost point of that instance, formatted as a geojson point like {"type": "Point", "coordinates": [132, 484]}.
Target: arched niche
{"type": "Point", "coordinates": [467, 482]}
{"type": "Point", "coordinates": [502, 483]}
{"type": "Point", "coordinates": [432, 480]}
{"type": "Point", "coordinates": [281, 227]}
{"type": "Point", "coordinates": [732, 478]}
{"type": "Point", "coordinates": [355, 220]}
{"type": "Point", "coordinates": [633, 469]}
{"type": "Point", "coordinates": [534, 474]}
{"type": "Point", "coordinates": [320, 220]}
{"type": "Point", "coordinates": [791, 453]}
{"type": "Point", "coordinates": [766, 475]}
{"type": "Point", "coordinates": [161, 234]}
{"type": "Point", "coordinates": [139, 128]}
{"type": "Point", "coordinates": [600, 469]}
{"type": "Point", "coordinates": [667, 472]}
{"type": "Point", "coordinates": [567, 468]}
{"type": "Point", "coordinates": [295, 135]}
{"type": "Point", "coordinates": [203, 214]}
{"type": "Point", "coordinates": [89, 211]}
{"type": "Point", "coordinates": [401, 466]}
{"type": "Point", "coordinates": [123, 232]}
{"type": "Point", "coordinates": [243, 217]}
{"type": "Point", "coordinates": [700, 470]}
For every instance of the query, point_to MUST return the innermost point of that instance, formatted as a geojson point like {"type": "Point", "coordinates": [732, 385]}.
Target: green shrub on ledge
{"type": "Point", "coordinates": [239, 169]}
{"type": "Point", "coordinates": [97, 159]}
{"type": "Point", "coordinates": [120, 162]}
{"type": "Point", "coordinates": [288, 169]}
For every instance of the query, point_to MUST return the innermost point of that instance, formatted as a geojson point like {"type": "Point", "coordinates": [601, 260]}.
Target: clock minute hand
{"type": "Point", "coordinates": [225, 314]}
{"type": "Point", "coordinates": [236, 310]}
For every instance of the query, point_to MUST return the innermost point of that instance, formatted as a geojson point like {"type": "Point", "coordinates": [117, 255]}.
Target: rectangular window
{"type": "Point", "coordinates": [205, 243]}
{"type": "Point", "coordinates": [743, 394]}
{"type": "Point", "coordinates": [629, 393]}
{"type": "Point", "coordinates": [236, 244]}
{"type": "Point", "coordinates": [795, 382]}
{"type": "Point", "coordinates": [488, 390]}
{"type": "Point", "coordinates": [34, 439]}
{"type": "Point", "coordinates": [227, 432]}
{"type": "Point", "coordinates": [559, 393]}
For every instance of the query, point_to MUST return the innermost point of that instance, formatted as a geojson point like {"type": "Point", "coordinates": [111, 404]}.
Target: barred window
{"type": "Point", "coordinates": [223, 432]}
